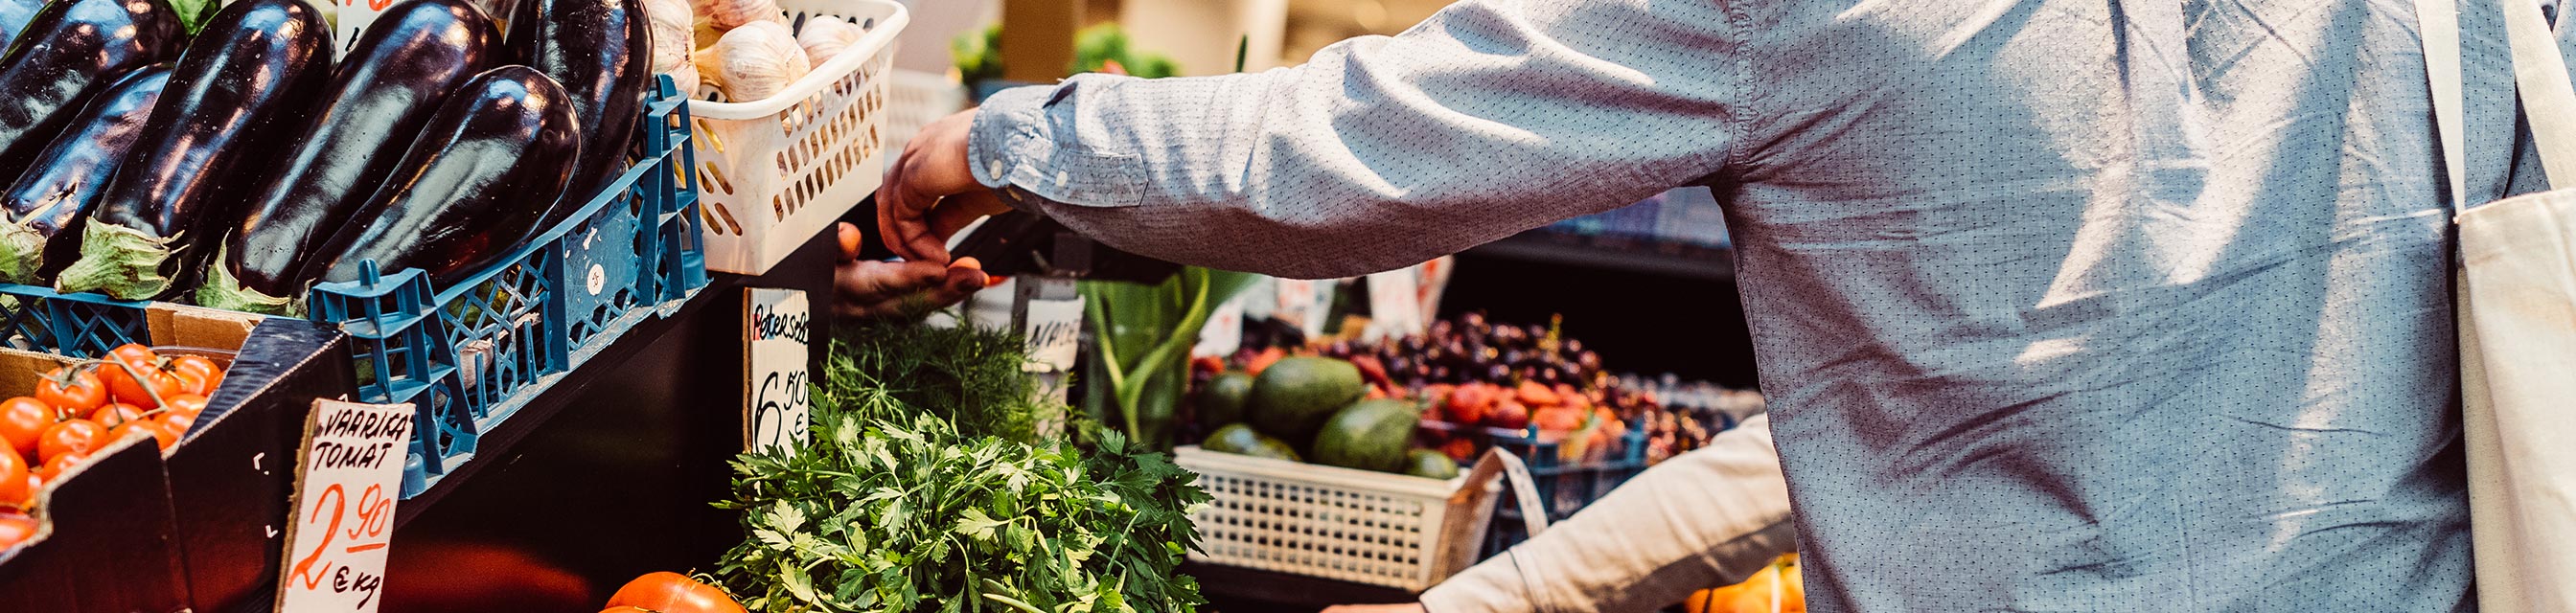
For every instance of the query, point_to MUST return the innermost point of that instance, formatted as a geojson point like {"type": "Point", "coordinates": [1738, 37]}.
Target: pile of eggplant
{"type": "Point", "coordinates": [239, 166]}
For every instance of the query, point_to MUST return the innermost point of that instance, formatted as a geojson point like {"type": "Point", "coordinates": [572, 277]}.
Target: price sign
{"type": "Point", "coordinates": [1395, 304]}
{"type": "Point", "coordinates": [1054, 334]}
{"type": "Point", "coordinates": [1224, 331]}
{"type": "Point", "coordinates": [347, 478]}
{"type": "Point", "coordinates": [1296, 305]}
{"type": "Point", "coordinates": [350, 18]}
{"type": "Point", "coordinates": [776, 412]}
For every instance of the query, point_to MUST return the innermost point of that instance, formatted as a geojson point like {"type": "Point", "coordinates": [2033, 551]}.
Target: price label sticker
{"type": "Point", "coordinates": [347, 477]}
{"type": "Point", "coordinates": [776, 410]}
{"type": "Point", "coordinates": [350, 19]}
{"type": "Point", "coordinates": [1054, 334]}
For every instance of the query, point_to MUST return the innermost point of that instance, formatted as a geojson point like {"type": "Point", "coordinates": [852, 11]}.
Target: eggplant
{"type": "Point", "coordinates": [48, 206]}
{"type": "Point", "coordinates": [14, 15]}
{"type": "Point", "coordinates": [387, 87]}
{"type": "Point", "coordinates": [236, 100]}
{"type": "Point", "coordinates": [69, 52]}
{"type": "Point", "coordinates": [466, 194]}
{"type": "Point", "coordinates": [601, 51]}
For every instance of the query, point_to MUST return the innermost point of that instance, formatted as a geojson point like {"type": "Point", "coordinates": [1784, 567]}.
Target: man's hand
{"type": "Point", "coordinates": [867, 289]}
{"type": "Point", "coordinates": [1376, 608]}
{"type": "Point", "coordinates": [931, 191]}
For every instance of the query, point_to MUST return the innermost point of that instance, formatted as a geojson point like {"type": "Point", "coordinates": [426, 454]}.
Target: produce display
{"type": "Point", "coordinates": [49, 204]}
{"type": "Point", "coordinates": [1777, 588]}
{"type": "Point", "coordinates": [899, 507]}
{"type": "Point", "coordinates": [229, 108]}
{"type": "Point", "coordinates": [77, 409]}
{"type": "Point", "coordinates": [1318, 409]}
{"type": "Point", "coordinates": [217, 154]}
{"type": "Point", "coordinates": [749, 50]}
{"type": "Point", "coordinates": [394, 78]}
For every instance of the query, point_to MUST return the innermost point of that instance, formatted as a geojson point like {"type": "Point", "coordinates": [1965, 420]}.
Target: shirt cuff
{"type": "Point", "coordinates": [1023, 145]}
{"type": "Point", "coordinates": [1497, 585]}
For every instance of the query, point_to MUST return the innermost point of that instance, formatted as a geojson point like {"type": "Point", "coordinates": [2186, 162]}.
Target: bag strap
{"type": "Point", "coordinates": [2439, 21]}
{"type": "Point", "coordinates": [2548, 99]}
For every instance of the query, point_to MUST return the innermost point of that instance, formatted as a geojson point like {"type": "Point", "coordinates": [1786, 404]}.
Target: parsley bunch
{"type": "Point", "coordinates": [971, 376]}
{"type": "Point", "coordinates": [895, 517]}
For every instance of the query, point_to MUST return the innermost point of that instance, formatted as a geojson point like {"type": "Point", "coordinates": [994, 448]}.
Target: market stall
{"type": "Point", "coordinates": [489, 305]}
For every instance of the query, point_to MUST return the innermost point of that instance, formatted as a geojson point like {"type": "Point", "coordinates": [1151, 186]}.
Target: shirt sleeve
{"type": "Point", "coordinates": [1703, 519]}
{"type": "Point", "coordinates": [1489, 118]}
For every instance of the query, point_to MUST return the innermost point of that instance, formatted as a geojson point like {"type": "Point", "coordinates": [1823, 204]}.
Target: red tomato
{"type": "Point", "coordinates": [136, 354]}
{"type": "Point", "coordinates": [55, 466]}
{"type": "Point", "coordinates": [73, 390]}
{"type": "Point", "coordinates": [161, 434]}
{"type": "Point", "coordinates": [21, 420]}
{"type": "Point", "coordinates": [70, 436]}
{"type": "Point", "coordinates": [673, 593]}
{"type": "Point", "coordinates": [177, 422]}
{"type": "Point", "coordinates": [139, 387]}
{"type": "Point", "coordinates": [116, 413]}
{"type": "Point", "coordinates": [201, 368]}
{"type": "Point", "coordinates": [191, 404]}
{"type": "Point", "coordinates": [15, 528]}
{"type": "Point", "coordinates": [14, 491]}
{"type": "Point", "coordinates": [186, 383]}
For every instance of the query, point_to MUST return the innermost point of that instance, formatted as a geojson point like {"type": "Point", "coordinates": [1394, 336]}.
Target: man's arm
{"type": "Point", "coordinates": [1703, 519]}
{"type": "Point", "coordinates": [1491, 117]}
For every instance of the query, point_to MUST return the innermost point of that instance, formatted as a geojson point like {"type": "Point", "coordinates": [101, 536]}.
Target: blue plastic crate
{"type": "Point", "coordinates": [471, 355]}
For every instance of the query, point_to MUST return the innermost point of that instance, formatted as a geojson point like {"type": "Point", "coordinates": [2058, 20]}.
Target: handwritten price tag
{"type": "Point", "coordinates": [776, 411]}
{"type": "Point", "coordinates": [347, 477]}
{"type": "Point", "coordinates": [1054, 334]}
{"type": "Point", "coordinates": [350, 19]}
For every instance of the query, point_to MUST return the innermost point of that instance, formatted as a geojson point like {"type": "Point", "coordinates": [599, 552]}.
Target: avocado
{"type": "Point", "coordinates": [1221, 402]}
{"type": "Point", "coordinates": [1292, 398]}
{"type": "Point", "coordinates": [1368, 435]}
{"type": "Point", "coordinates": [1429, 463]}
{"type": "Point", "coordinates": [1242, 440]}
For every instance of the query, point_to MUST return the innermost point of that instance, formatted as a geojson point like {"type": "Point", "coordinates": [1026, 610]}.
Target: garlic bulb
{"type": "Point", "coordinates": [825, 36]}
{"type": "Point", "coordinates": [754, 61]}
{"type": "Point", "coordinates": [730, 14]}
{"type": "Point", "coordinates": [670, 22]}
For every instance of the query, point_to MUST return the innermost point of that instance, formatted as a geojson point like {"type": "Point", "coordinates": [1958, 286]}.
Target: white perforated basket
{"type": "Point", "coordinates": [774, 172]}
{"type": "Point", "coordinates": [916, 99]}
{"type": "Point", "coordinates": [1360, 526]}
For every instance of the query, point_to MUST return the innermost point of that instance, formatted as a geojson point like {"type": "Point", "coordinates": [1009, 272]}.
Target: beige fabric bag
{"type": "Point", "coordinates": [2517, 319]}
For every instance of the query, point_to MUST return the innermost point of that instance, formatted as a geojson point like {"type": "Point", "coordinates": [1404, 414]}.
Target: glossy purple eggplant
{"type": "Point", "coordinates": [67, 53]}
{"type": "Point", "coordinates": [237, 99]}
{"type": "Point", "coordinates": [465, 196]}
{"type": "Point", "coordinates": [601, 51]}
{"type": "Point", "coordinates": [48, 205]}
{"type": "Point", "coordinates": [387, 87]}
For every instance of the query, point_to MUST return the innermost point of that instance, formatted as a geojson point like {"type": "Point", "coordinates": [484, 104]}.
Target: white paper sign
{"type": "Point", "coordinates": [1054, 334]}
{"type": "Point", "coordinates": [1224, 331]}
{"type": "Point", "coordinates": [776, 411]}
{"type": "Point", "coordinates": [1297, 305]}
{"type": "Point", "coordinates": [1395, 304]}
{"type": "Point", "coordinates": [348, 476]}
{"type": "Point", "coordinates": [350, 18]}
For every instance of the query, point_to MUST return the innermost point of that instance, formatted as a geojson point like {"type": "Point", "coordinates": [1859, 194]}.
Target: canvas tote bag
{"type": "Point", "coordinates": [2516, 293]}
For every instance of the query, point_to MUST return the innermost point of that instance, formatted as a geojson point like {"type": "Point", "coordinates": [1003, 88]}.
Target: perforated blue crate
{"type": "Point", "coordinates": [471, 355]}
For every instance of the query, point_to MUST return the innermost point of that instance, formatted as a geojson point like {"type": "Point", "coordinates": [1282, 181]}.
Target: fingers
{"type": "Point", "coordinates": [849, 237]}
{"type": "Point", "coordinates": [901, 289]}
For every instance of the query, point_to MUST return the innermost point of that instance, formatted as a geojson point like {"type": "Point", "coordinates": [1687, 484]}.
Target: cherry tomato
{"type": "Point", "coordinates": [72, 389]}
{"type": "Point", "coordinates": [161, 434]}
{"type": "Point", "coordinates": [177, 422]}
{"type": "Point", "coordinates": [186, 383]}
{"type": "Point", "coordinates": [136, 354]}
{"type": "Point", "coordinates": [138, 388]}
{"type": "Point", "coordinates": [55, 466]}
{"type": "Point", "coordinates": [14, 491]}
{"type": "Point", "coordinates": [673, 593]}
{"type": "Point", "coordinates": [191, 404]}
{"type": "Point", "coordinates": [69, 436]}
{"type": "Point", "coordinates": [15, 528]}
{"type": "Point", "coordinates": [21, 420]}
{"type": "Point", "coordinates": [116, 413]}
{"type": "Point", "coordinates": [203, 369]}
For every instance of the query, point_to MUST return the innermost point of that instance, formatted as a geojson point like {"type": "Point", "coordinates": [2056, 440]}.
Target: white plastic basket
{"type": "Point", "coordinates": [1374, 528]}
{"type": "Point", "coordinates": [774, 172]}
{"type": "Point", "coordinates": [917, 99]}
